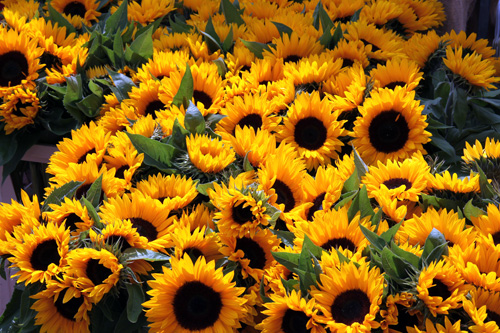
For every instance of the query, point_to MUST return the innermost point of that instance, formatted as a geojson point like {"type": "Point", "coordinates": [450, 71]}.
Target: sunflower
{"type": "Point", "coordinates": [430, 14]}
{"type": "Point", "coordinates": [58, 74]}
{"type": "Point", "coordinates": [342, 11]}
{"type": "Point", "coordinates": [469, 43]}
{"type": "Point", "coordinates": [166, 118]}
{"type": "Point", "coordinates": [94, 271]}
{"type": "Point", "coordinates": [77, 12]}
{"type": "Point", "coordinates": [48, 31]}
{"type": "Point", "coordinates": [397, 72]}
{"type": "Point", "coordinates": [349, 297]}
{"type": "Point", "coordinates": [61, 307]}
{"type": "Point", "coordinates": [470, 69]}
{"type": "Point", "coordinates": [421, 48]}
{"type": "Point", "coordinates": [397, 314]}
{"type": "Point", "coordinates": [198, 217]}
{"type": "Point", "coordinates": [19, 109]}
{"type": "Point", "coordinates": [488, 226]}
{"type": "Point", "coordinates": [450, 186]}
{"type": "Point", "coordinates": [312, 128]}
{"type": "Point", "coordinates": [147, 11]}
{"type": "Point", "coordinates": [292, 47]}
{"type": "Point", "coordinates": [381, 13]}
{"type": "Point", "coordinates": [209, 155]}
{"type": "Point", "coordinates": [261, 30]}
{"type": "Point", "coordinates": [290, 313]}
{"type": "Point", "coordinates": [441, 287]}
{"type": "Point", "coordinates": [431, 327]}
{"type": "Point", "coordinates": [323, 190]}
{"type": "Point", "coordinates": [351, 52]}
{"type": "Point", "coordinates": [240, 210]}
{"type": "Point", "coordinates": [487, 158]}
{"type": "Point", "coordinates": [194, 297]}
{"type": "Point", "coordinates": [147, 98]}
{"type": "Point", "coordinates": [274, 275]}
{"type": "Point", "coordinates": [173, 191]}
{"type": "Point", "coordinates": [239, 60]}
{"type": "Point", "coordinates": [87, 145]}
{"type": "Point", "coordinates": [254, 111]}
{"type": "Point", "coordinates": [147, 215]}
{"type": "Point", "coordinates": [41, 254]}
{"type": "Point", "coordinates": [392, 126]}
{"type": "Point", "coordinates": [253, 144]}
{"type": "Point", "coordinates": [252, 253]}
{"type": "Point", "coordinates": [483, 308]}
{"type": "Point", "coordinates": [417, 229]}
{"type": "Point", "coordinates": [116, 118]}
{"type": "Point", "coordinates": [261, 9]}
{"type": "Point", "coordinates": [17, 13]}
{"type": "Point", "coordinates": [309, 72]}
{"type": "Point", "coordinates": [197, 243]}
{"type": "Point", "coordinates": [72, 213]}
{"type": "Point", "coordinates": [161, 65]}
{"type": "Point", "coordinates": [332, 230]}
{"type": "Point", "coordinates": [405, 180]}
{"type": "Point", "coordinates": [280, 176]}
{"type": "Point", "coordinates": [19, 61]}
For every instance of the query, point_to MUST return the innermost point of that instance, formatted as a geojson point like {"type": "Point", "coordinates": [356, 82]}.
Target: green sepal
{"type": "Point", "coordinates": [57, 196]}
{"type": "Point", "coordinates": [134, 302]}
{"type": "Point", "coordinates": [345, 198]}
{"type": "Point", "coordinates": [434, 248]}
{"type": "Point", "coordinates": [193, 120]}
{"type": "Point", "coordinates": [133, 254]}
{"type": "Point", "coordinates": [247, 166]}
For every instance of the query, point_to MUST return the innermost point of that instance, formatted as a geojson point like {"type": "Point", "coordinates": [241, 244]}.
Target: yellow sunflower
{"type": "Point", "coordinates": [198, 217]}
{"type": "Point", "coordinates": [197, 243]}
{"type": "Point", "coordinates": [487, 158]}
{"type": "Point", "coordinates": [309, 72]}
{"type": "Point", "coordinates": [405, 180]}
{"type": "Point", "coordinates": [18, 13]}
{"type": "Point", "coordinates": [312, 128]}
{"type": "Point", "coordinates": [483, 308]}
{"type": "Point", "coordinates": [398, 315]}
{"type": "Point", "coordinates": [147, 11]}
{"type": "Point", "coordinates": [431, 327]}
{"type": "Point", "coordinates": [392, 126]}
{"type": "Point", "coordinates": [441, 287]}
{"type": "Point", "coordinates": [380, 12]}
{"type": "Point", "coordinates": [469, 43]}
{"type": "Point", "coordinates": [252, 253]}
{"type": "Point", "coordinates": [430, 14]}
{"type": "Point", "coordinates": [292, 47]}
{"type": "Point", "coordinates": [349, 297]}
{"type": "Point", "coordinates": [343, 10]}
{"type": "Point", "coordinates": [207, 154]}
{"type": "Point", "coordinates": [61, 307]}
{"type": "Point", "coordinates": [290, 313]}
{"type": "Point", "coordinates": [397, 72]}
{"type": "Point", "coordinates": [78, 12]}
{"type": "Point", "coordinates": [147, 215]}
{"type": "Point", "coordinates": [87, 145]}
{"type": "Point", "coordinates": [194, 297]}
{"type": "Point", "coordinates": [94, 271]}
{"type": "Point", "coordinates": [351, 52]}
{"type": "Point", "coordinates": [41, 254]}
{"type": "Point", "coordinates": [488, 226]}
{"type": "Point", "coordinates": [72, 213]}
{"type": "Point", "coordinates": [471, 69]}
{"type": "Point", "coordinates": [19, 61]}
{"type": "Point", "coordinates": [166, 118]}
{"type": "Point", "coordinates": [161, 65]}
{"type": "Point", "coordinates": [48, 31]}
{"type": "Point", "coordinates": [421, 48]}
{"type": "Point", "coordinates": [147, 98]}
{"type": "Point", "coordinates": [19, 109]}
{"type": "Point", "coordinates": [450, 186]}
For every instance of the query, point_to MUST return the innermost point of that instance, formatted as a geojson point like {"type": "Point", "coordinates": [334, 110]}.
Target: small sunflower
{"type": "Point", "coordinates": [147, 98]}
{"type": "Point", "coordinates": [392, 126]}
{"type": "Point", "coordinates": [441, 287]}
{"type": "Point", "coordinates": [253, 144]}
{"type": "Point", "coordinates": [161, 65]}
{"type": "Point", "coordinates": [469, 43]}
{"type": "Point", "coordinates": [19, 109]}
{"type": "Point", "coordinates": [483, 308]}
{"type": "Point", "coordinates": [292, 47]}
{"type": "Point", "coordinates": [312, 128]}
{"type": "Point", "coordinates": [430, 14]}
{"type": "Point", "coordinates": [431, 327]}
{"type": "Point", "coordinates": [351, 52]}
{"type": "Point", "coordinates": [41, 254]}
{"type": "Point", "coordinates": [488, 225]}
{"type": "Point", "coordinates": [398, 315]}
{"type": "Point", "coordinates": [61, 307]}
{"type": "Point", "coordinates": [72, 213]}
{"type": "Point", "coordinates": [77, 12]}
{"type": "Point", "coordinates": [349, 297]}
{"type": "Point", "coordinates": [252, 253]}
{"type": "Point", "coordinates": [209, 155]}
{"type": "Point", "coordinates": [147, 11]}
{"type": "Point", "coordinates": [421, 48]}
{"type": "Point", "coordinates": [194, 297]}
{"type": "Point", "coordinates": [197, 243]}
{"type": "Point", "coordinates": [198, 217]}
{"type": "Point", "coordinates": [342, 11]}
{"type": "Point", "coordinates": [290, 313]}
{"type": "Point", "coordinates": [397, 72]}
{"type": "Point", "coordinates": [450, 186]}
{"type": "Point", "coordinates": [309, 72]}
{"type": "Point", "coordinates": [94, 271]}
{"type": "Point", "coordinates": [488, 158]}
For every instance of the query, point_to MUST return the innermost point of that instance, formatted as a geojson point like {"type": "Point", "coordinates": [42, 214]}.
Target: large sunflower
{"type": "Point", "coordinates": [469, 43]}
{"type": "Point", "coordinates": [198, 217]}
{"type": "Point", "coordinates": [148, 98]}
{"type": "Point", "coordinates": [209, 155]}
{"type": "Point", "coordinates": [292, 47]}
{"type": "Point", "coordinates": [161, 65]}
{"type": "Point", "coordinates": [349, 297]}
{"type": "Point", "coordinates": [483, 308]}
{"type": "Point", "coordinates": [61, 307]}
{"type": "Point", "coordinates": [421, 48]}
{"type": "Point", "coordinates": [312, 128]}
{"type": "Point", "coordinates": [441, 287]}
{"type": "Point", "coordinates": [392, 126]}
{"type": "Point", "coordinates": [290, 313]}
{"type": "Point", "coordinates": [397, 72]}
{"type": "Point", "coordinates": [19, 60]}
{"type": "Point", "coordinates": [449, 186]}
{"type": "Point", "coordinates": [41, 254]}
{"type": "Point", "coordinates": [194, 297]}
{"type": "Point", "coordinates": [351, 52]}
{"type": "Point", "coordinates": [94, 271]}
{"type": "Point", "coordinates": [77, 12]}
{"type": "Point", "coordinates": [19, 109]}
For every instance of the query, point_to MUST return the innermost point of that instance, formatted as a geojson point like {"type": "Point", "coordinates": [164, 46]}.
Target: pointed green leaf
{"type": "Point", "coordinates": [203, 188]}
{"type": "Point", "coordinates": [123, 84]}
{"type": "Point", "coordinates": [185, 92]}
{"type": "Point", "coordinates": [471, 211]}
{"type": "Point", "coordinates": [314, 249]}
{"type": "Point", "coordinates": [92, 213]}
{"type": "Point", "coordinates": [228, 42]}
{"type": "Point", "coordinates": [394, 266]}
{"type": "Point", "coordinates": [178, 25]}
{"type": "Point", "coordinates": [460, 107]}
{"type": "Point", "coordinates": [230, 12]}
{"type": "Point", "coordinates": [256, 47]}
{"type": "Point", "coordinates": [321, 16]}
{"type": "Point", "coordinates": [132, 254]}
{"type": "Point", "coordinates": [373, 238]}
{"type": "Point", "coordinates": [337, 36]}
{"type": "Point", "coordinates": [345, 198]}
{"type": "Point", "coordinates": [282, 28]}
{"type": "Point", "coordinates": [365, 206]}
{"type": "Point", "coordinates": [262, 292]}
{"type": "Point", "coordinates": [352, 183]}
{"type": "Point", "coordinates": [405, 255]}
{"type": "Point", "coordinates": [289, 260]}
{"type": "Point", "coordinates": [487, 190]}
{"type": "Point", "coordinates": [56, 17]}
{"type": "Point", "coordinates": [135, 299]}
{"type": "Point", "coordinates": [286, 237]}
{"type": "Point", "coordinates": [156, 154]}
{"type": "Point", "coordinates": [221, 66]}
{"type": "Point", "coordinates": [360, 164]}
{"type": "Point", "coordinates": [178, 137]}
{"type": "Point", "coordinates": [117, 21]}
{"type": "Point", "coordinates": [94, 192]}
{"type": "Point", "coordinates": [247, 166]}
{"type": "Point", "coordinates": [193, 120]}
{"type": "Point", "coordinates": [57, 196]}
{"type": "Point", "coordinates": [388, 235]}
{"type": "Point", "coordinates": [143, 45]}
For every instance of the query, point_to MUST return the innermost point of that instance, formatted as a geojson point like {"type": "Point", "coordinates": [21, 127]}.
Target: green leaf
{"type": "Point", "coordinates": [394, 266]}
{"type": "Point", "coordinates": [375, 220]}
{"type": "Point", "coordinates": [185, 92]}
{"type": "Point", "coordinates": [352, 183]}
{"type": "Point", "coordinates": [405, 255]}
{"type": "Point", "coordinates": [442, 144]}
{"type": "Point", "coordinates": [460, 107]}
{"type": "Point", "coordinates": [438, 203]}
{"type": "Point", "coordinates": [355, 16]}
{"type": "Point", "coordinates": [57, 196]}
{"type": "Point", "coordinates": [262, 292]}
{"type": "Point", "coordinates": [178, 25]}
{"type": "Point", "coordinates": [118, 51]}
{"type": "Point", "coordinates": [282, 28]}
{"type": "Point", "coordinates": [434, 248]}
{"type": "Point", "coordinates": [487, 190]}
{"type": "Point", "coordinates": [256, 47]}
{"type": "Point", "coordinates": [178, 137]}
{"type": "Point", "coordinates": [117, 22]}
{"type": "Point", "coordinates": [12, 311]}
{"type": "Point", "coordinates": [321, 16]}
{"type": "Point", "coordinates": [471, 211]}
{"type": "Point", "coordinates": [92, 213]}
{"type": "Point", "coordinates": [90, 105]}
{"type": "Point", "coordinates": [360, 164]}
{"type": "Point", "coordinates": [337, 36]}
{"type": "Point", "coordinates": [132, 254]}
{"type": "Point", "coordinates": [289, 260]}
{"type": "Point", "coordinates": [247, 166]}
{"type": "Point", "coordinates": [210, 37]}
{"type": "Point", "coordinates": [142, 46]}
{"type": "Point", "coordinates": [286, 237]}
{"type": "Point", "coordinates": [228, 42]}
{"type": "Point", "coordinates": [388, 235]}
{"type": "Point", "coordinates": [313, 249]}
{"type": "Point", "coordinates": [230, 12]}
{"type": "Point", "coordinates": [221, 67]}
{"type": "Point", "coordinates": [123, 84]}
{"type": "Point", "coordinates": [56, 17]}
{"type": "Point", "coordinates": [74, 94]}
{"type": "Point", "coordinates": [134, 303]}
{"type": "Point", "coordinates": [203, 188]}
{"type": "Point", "coordinates": [8, 145]}
{"type": "Point", "coordinates": [156, 154]}
{"type": "Point", "coordinates": [373, 238]}
{"type": "Point", "coordinates": [345, 198]}
{"type": "Point", "coordinates": [193, 120]}
{"type": "Point", "coordinates": [365, 206]}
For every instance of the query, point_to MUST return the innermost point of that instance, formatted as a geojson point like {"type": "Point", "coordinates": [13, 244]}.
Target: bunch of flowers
{"type": "Point", "coordinates": [274, 166]}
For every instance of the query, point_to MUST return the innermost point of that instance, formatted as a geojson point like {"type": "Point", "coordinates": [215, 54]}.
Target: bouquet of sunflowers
{"type": "Point", "coordinates": [250, 166]}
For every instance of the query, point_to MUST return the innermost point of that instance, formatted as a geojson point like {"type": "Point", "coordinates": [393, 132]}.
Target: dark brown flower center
{"type": "Point", "coordinates": [285, 195]}
{"type": "Point", "coordinates": [439, 289]}
{"type": "Point", "coordinates": [310, 133]}
{"type": "Point", "coordinates": [295, 322]}
{"type": "Point", "coordinates": [203, 98]}
{"type": "Point", "coordinates": [493, 316]}
{"type": "Point", "coordinates": [75, 8]}
{"type": "Point", "coordinates": [317, 205]}
{"type": "Point", "coordinates": [394, 84]}
{"type": "Point", "coordinates": [346, 62]}
{"type": "Point", "coordinates": [350, 307]}
{"type": "Point", "coordinates": [84, 156]}
{"type": "Point", "coordinates": [388, 131]}
{"type": "Point", "coordinates": [242, 214]}
{"type": "Point", "coordinates": [69, 309]}
{"type": "Point", "coordinates": [196, 306]}
{"type": "Point", "coordinates": [153, 107]}
{"type": "Point", "coordinates": [335, 243]}
{"type": "Point", "coordinates": [251, 120]}
{"type": "Point", "coordinates": [253, 252]}
{"type": "Point", "coordinates": [496, 237]}
{"type": "Point", "coordinates": [144, 228]}
{"type": "Point", "coordinates": [51, 61]}
{"type": "Point", "coordinates": [13, 68]}
{"type": "Point", "coordinates": [71, 221]}
{"type": "Point", "coordinates": [97, 272]}
{"type": "Point", "coordinates": [397, 182]}
{"type": "Point", "coordinates": [292, 58]}
{"type": "Point", "coordinates": [45, 254]}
